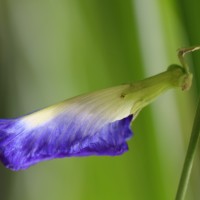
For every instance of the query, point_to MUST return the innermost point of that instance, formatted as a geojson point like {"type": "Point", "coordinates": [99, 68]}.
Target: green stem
{"type": "Point", "coordinates": [183, 184]}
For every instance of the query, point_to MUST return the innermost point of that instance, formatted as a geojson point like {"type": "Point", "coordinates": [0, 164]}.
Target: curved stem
{"type": "Point", "coordinates": [183, 184]}
{"type": "Point", "coordinates": [181, 54]}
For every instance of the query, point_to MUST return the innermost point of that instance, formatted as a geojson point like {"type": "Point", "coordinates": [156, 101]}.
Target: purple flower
{"type": "Point", "coordinates": [91, 124]}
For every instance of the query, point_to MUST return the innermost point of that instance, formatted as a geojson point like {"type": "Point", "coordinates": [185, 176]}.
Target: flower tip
{"type": "Point", "coordinates": [21, 147]}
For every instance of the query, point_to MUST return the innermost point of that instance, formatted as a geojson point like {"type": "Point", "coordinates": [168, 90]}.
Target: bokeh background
{"type": "Point", "coordinates": [52, 50]}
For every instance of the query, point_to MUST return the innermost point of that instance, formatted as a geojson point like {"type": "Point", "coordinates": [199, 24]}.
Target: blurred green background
{"type": "Point", "coordinates": [52, 50]}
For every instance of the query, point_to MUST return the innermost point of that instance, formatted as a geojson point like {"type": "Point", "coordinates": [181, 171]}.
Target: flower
{"type": "Point", "coordinates": [92, 124]}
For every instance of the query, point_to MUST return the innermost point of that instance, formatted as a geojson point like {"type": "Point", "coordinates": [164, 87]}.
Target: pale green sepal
{"type": "Point", "coordinates": [145, 91]}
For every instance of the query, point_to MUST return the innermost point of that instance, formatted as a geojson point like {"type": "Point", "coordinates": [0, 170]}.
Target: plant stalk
{"type": "Point", "coordinates": [187, 167]}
